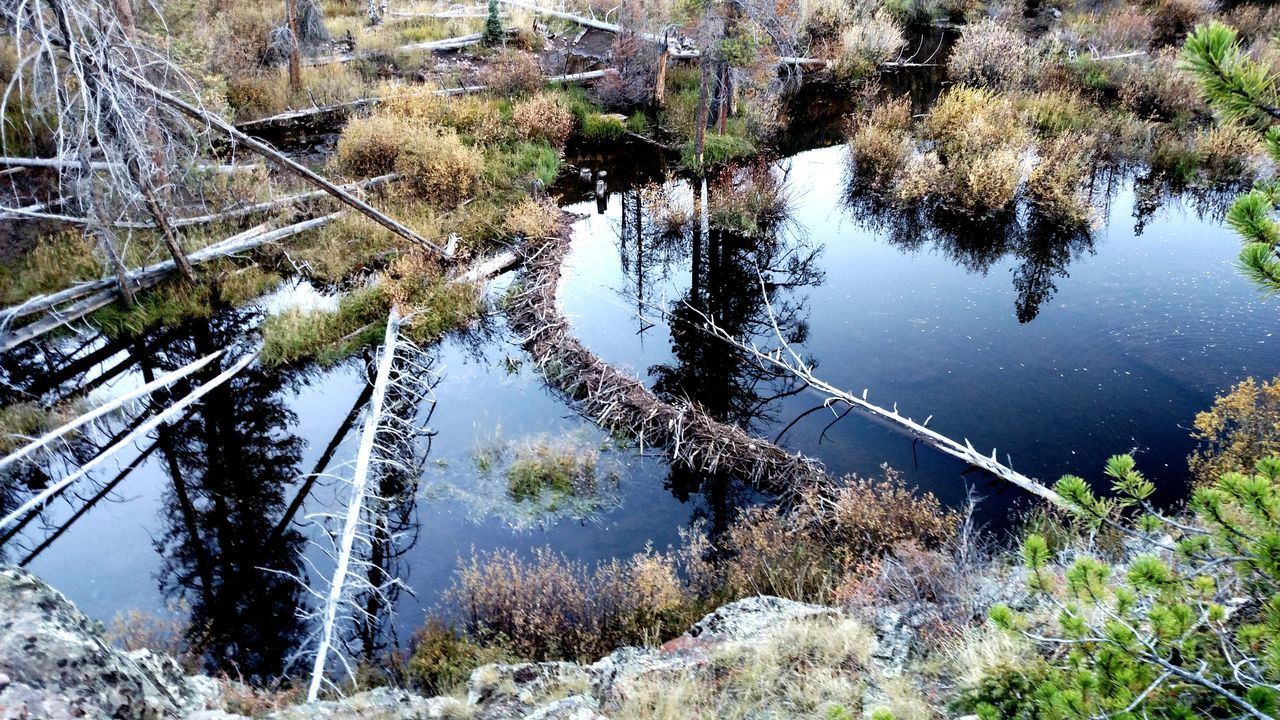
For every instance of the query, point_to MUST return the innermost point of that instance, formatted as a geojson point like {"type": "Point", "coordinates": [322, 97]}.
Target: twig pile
{"type": "Point", "coordinates": [622, 404]}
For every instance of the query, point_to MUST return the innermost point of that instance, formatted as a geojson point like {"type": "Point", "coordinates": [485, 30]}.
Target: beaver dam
{"type": "Point", "coordinates": [455, 303]}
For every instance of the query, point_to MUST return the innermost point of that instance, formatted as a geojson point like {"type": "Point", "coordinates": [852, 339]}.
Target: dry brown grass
{"type": "Point", "coordinates": [532, 219]}
{"type": "Point", "coordinates": [990, 54]}
{"type": "Point", "coordinates": [543, 116]}
{"type": "Point", "coordinates": [808, 668]}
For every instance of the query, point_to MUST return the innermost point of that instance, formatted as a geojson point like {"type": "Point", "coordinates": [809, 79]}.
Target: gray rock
{"type": "Point", "coordinates": [574, 707]}
{"type": "Point", "coordinates": [57, 664]}
{"type": "Point", "coordinates": [753, 618]}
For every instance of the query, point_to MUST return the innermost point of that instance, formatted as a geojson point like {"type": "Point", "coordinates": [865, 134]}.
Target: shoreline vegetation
{"type": "Point", "coordinates": [449, 143]}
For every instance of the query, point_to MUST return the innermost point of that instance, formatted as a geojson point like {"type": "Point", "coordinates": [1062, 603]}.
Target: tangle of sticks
{"type": "Point", "coordinates": [622, 404]}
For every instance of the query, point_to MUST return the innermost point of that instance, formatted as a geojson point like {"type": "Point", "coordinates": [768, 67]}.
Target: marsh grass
{"type": "Point", "coordinates": [22, 421]}
{"type": "Point", "coordinates": [537, 481]}
{"type": "Point", "coordinates": [807, 668]}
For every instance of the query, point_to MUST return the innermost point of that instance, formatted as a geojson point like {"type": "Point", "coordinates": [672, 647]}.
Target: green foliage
{"type": "Point", "coordinates": [1239, 88]}
{"type": "Point", "coordinates": [442, 659]}
{"type": "Point", "coordinates": [1245, 91]}
{"type": "Point", "coordinates": [1161, 635]}
{"type": "Point", "coordinates": [717, 151]}
{"type": "Point", "coordinates": [493, 32]}
{"type": "Point", "coordinates": [597, 127]}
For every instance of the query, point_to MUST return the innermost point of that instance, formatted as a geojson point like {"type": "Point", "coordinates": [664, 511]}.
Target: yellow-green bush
{"type": "Point", "coordinates": [438, 167]}
{"type": "Point", "coordinates": [980, 145]}
{"type": "Point", "coordinates": [372, 145]}
{"type": "Point", "coordinates": [879, 145]}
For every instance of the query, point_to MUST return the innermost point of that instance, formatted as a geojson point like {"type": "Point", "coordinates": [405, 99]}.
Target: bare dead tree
{"type": "Point", "coordinates": [121, 156]}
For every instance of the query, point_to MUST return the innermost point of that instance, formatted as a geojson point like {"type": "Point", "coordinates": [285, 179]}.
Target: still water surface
{"type": "Point", "coordinates": [1058, 349]}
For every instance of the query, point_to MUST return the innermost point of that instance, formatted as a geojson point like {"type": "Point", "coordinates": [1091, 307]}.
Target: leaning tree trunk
{"type": "Point", "coordinates": [295, 52]}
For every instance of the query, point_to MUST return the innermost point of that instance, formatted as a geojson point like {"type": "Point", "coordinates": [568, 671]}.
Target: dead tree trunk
{"type": "Point", "coordinates": [700, 133]}
{"type": "Point", "coordinates": [284, 161]}
{"type": "Point", "coordinates": [295, 52]}
{"type": "Point", "coordinates": [152, 178]}
{"type": "Point", "coordinates": [660, 81]}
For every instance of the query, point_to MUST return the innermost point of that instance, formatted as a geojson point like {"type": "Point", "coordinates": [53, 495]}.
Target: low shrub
{"type": "Point", "coordinates": [441, 659]}
{"type": "Point", "coordinates": [252, 96]}
{"type": "Point", "coordinates": [748, 201]}
{"type": "Point", "coordinates": [1054, 184]}
{"type": "Point", "coordinates": [543, 116]}
{"type": "Point", "coordinates": [991, 55]}
{"type": "Point", "coordinates": [533, 220]}
{"type": "Point", "coordinates": [717, 151]}
{"type": "Point", "coordinates": [979, 145]}
{"type": "Point", "coordinates": [1227, 152]}
{"type": "Point", "coordinates": [1160, 87]}
{"type": "Point", "coordinates": [823, 21]}
{"type": "Point", "coordinates": [867, 43]}
{"type": "Point", "coordinates": [1053, 112]}
{"type": "Point", "coordinates": [547, 606]}
{"type": "Point", "coordinates": [809, 551]}
{"type": "Point", "coordinates": [438, 167]}
{"type": "Point", "coordinates": [880, 144]}
{"type": "Point", "coordinates": [1241, 428]}
{"type": "Point", "coordinates": [511, 73]}
{"type": "Point", "coordinates": [371, 145]}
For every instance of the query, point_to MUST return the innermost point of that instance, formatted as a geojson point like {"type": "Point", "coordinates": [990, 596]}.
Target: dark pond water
{"type": "Point", "coordinates": [1059, 349]}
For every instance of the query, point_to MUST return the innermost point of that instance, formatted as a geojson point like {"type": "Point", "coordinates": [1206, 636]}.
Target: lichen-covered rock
{"type": "Point", "coordinates": [54, 663]}
{"type": "Point", "coordinates": [752, 618]}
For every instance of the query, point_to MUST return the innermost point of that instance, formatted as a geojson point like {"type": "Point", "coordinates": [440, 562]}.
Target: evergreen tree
{"type": "Point", "coordinates": [493, 32]}
{"type": "Point", "coordinates": [1244, 91]}
{"type": "Point", "coordinates": [1186, 624]}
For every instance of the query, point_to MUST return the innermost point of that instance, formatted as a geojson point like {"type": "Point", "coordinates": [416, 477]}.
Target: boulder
{"type": "Point", "coordinates": [55, 663]}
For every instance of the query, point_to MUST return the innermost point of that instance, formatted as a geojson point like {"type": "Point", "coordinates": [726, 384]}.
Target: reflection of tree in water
{"type": "Point", "coordinates": [1043, 248]}
{"type": "Point", "coordinates": [1152, 192]}
{"type": "Point", "coordinates": [725, 273]}
{"type": "Point", "coordinates": [231, 463]}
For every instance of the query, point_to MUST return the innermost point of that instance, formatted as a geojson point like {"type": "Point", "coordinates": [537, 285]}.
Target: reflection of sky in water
{"type": "Point", "coordinates": [1138, 336]}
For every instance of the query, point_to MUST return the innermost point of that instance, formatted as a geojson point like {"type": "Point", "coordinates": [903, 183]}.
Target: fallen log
{"type": "Point", "coordinates": [106, 408]}
{"type": "Point", "coordinates": [355, 506]}
{"type": "Point", "coordinates": [94, 295]}
{"type": "Point", "coordinates": [59, 163]}
{"type": "Point", "coordinates": [287, 120]}
{"type": "Point", "coordinates": [453, 43]}
{"type": "Point", "coordinates": [35, 212]}
{"type": "Point", "coordinates": [665, 40]}
{"type": "Point", "coordinates": [174, 410]}
{"type": "Point", "coordinates": [284, 161]}
{"type": "Point", "coordinates": [793, 364]}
